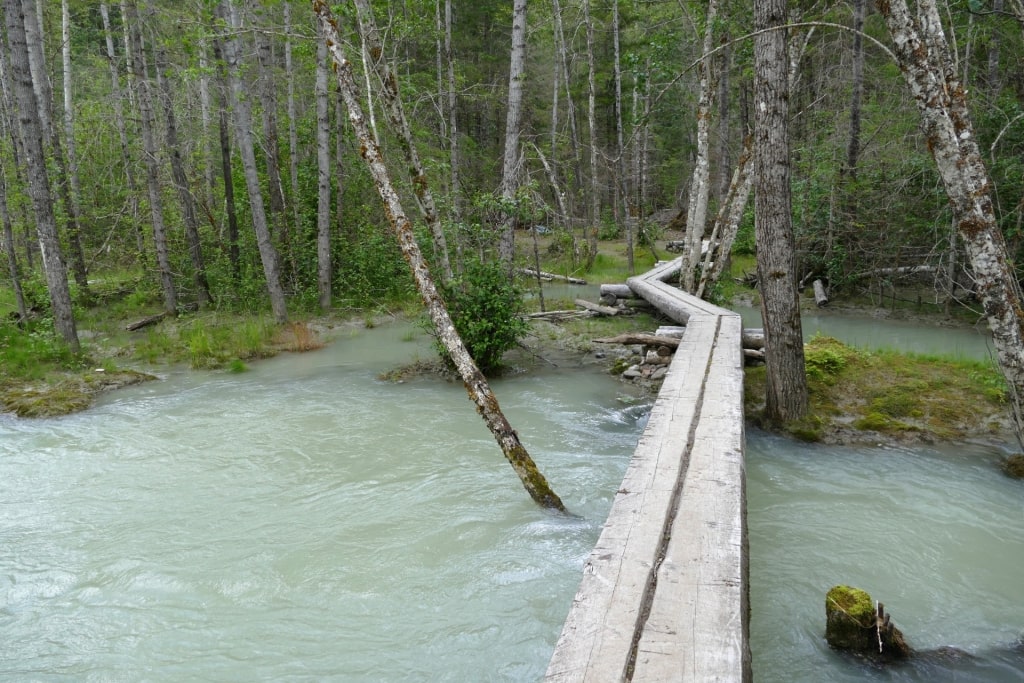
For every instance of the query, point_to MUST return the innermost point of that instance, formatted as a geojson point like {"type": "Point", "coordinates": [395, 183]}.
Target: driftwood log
{"type": "Point", "coordinates": [634, 339]}
{"type": "Point", "coordinates": [146, 322]}
{"type": "Point", "coordinates": [820, 297]}
{"type": "Point", "coordinates": [552, 276]}
{"type": "Point", "coordinates": [597, 308]}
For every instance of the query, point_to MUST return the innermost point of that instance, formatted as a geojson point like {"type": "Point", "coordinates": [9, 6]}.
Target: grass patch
{"type": "Point", "coordinates": [890, 393]}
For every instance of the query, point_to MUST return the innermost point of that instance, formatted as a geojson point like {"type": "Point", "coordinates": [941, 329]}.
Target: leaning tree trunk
{"type": "Point", "coordinates": [927, 65]}
{"type": "Point", "coordinates": [727, 222]}
{"type": "Point", "coordinates": [476, 384]}
{"type": "Point", "coordinates": [786, 381]}
{"type": "Point", "coordinates": [395, 111]}
{"type": "Point", "coordinates": [39, 180]}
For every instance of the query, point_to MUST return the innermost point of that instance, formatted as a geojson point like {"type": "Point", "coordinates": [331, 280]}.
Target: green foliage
{"type": "Point", "coordinates": [373, 271]}
{"type": "Point", "coordinates": [486, 309]}
{"type": "Point", "coordinates": [825, 361]}
{"type": "Point", "coordinates": [30, 353]}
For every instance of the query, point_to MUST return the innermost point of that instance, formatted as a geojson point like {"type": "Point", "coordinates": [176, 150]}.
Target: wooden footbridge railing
{"type": "Point", "coordinates": [664, 593]}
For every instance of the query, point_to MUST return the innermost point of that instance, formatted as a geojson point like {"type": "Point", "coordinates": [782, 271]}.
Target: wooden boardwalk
{"type": "Point", "coordinates": [664, 594]}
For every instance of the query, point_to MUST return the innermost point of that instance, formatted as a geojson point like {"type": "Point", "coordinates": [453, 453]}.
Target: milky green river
{"type": "Point", "coordinates": [305, 521]}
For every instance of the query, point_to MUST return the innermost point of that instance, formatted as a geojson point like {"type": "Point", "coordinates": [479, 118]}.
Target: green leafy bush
{"type": "Point", "coordinates": [486, 308]}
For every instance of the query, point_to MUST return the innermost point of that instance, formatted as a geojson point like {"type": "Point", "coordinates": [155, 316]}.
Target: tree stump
{"type": "Point", "coordinates": [853, 622]}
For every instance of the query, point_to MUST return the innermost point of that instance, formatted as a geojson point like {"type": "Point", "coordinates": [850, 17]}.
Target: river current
{"type": "Point", "coordinates": [306, 521]}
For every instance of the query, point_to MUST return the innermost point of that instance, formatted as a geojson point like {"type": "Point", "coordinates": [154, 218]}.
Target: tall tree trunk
{"type": "Point", "coordinates": [8, 246]}
{"type": "Point", "coordinates": [786, 383]}
{"type": "Point", "coordinates": [206, 125]}
{"type": "Point", "coordinates": [476, 384]}
{"type": "Point", "coordinates": [395, 112]}
{"type": "Point", "coordinates": [247, 150]}
{"type": "Point", "coordinates": [928, 67]}
{"type": "Point", "coordinates": [122, 135]}
{"type": "Point", "coordinates": [181, 184]}
{"type": "Point", "coordinates": [44, 99]}
{"type": "Point", "coordinates": [224, 134]}
{"type": "Point", "coordinates": [621, 184]}
{"type": "Point", "coordinates": [595, 194]}
{"type": "Point", "coordinates": [856, 89]}
{"type": "Point", "coordinates": [513, 128]}
{"type": "Point", "coordinates": [271, 139]}
{"type": "Point", "coordinates": [151, 154]}
{"type": "Point", "coordinates": [323, 164]}
{"type": "Point", "coordinates": [727, 222]}
{"type": "Point", "coordinates": [293, 132]}
{"type": "Point", "coordinates": [454, 159]}
{"type": "Point", "coordinates": [700, 185]}
{"type": "Point", "coordinates": [563, 50]}
{"type": "Point", "coordinates": [75, 210]}
{"type": "Point", "coordinates": [39, 180]}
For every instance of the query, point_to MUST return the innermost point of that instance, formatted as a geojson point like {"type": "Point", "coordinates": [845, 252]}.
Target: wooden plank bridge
{"type": "Point", "coordinates": [664, 594]}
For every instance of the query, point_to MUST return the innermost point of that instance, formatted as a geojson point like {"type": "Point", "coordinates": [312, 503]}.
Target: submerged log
{"type": "Point", "coordinates": [854, 622]}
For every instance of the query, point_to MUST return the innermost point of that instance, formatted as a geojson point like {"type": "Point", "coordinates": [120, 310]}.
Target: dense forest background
{"type": "Point", "coordinates": [148, 169]}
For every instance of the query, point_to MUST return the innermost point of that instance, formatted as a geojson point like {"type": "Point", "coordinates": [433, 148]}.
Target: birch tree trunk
{"type": "Point", "coordinates": [39, 180]}
{"type": "Point", "coordinates": [151, 154]}
{"type": "Point", "coordinates": [786, 383]}
{"type": "Point", "coordinates": [476, 384]}
{"type": "Point", "coordinates": [928, 68]}
{"type": "Point", "coordinates": [395, 113]}
{"type": "Point", "coordinates": [700, 185]}
{"type": "Point", "coordinates": [513, 125]}
{"type": "Point", "coordinates": [246, 149]}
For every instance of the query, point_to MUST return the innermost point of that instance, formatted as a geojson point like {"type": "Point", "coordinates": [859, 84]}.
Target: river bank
{"type": "Point", "coordinates": [857, 396]}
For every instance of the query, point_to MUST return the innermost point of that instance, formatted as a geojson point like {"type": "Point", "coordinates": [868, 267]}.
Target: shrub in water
{"type": "Point", "coordinates": [487, 311]}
